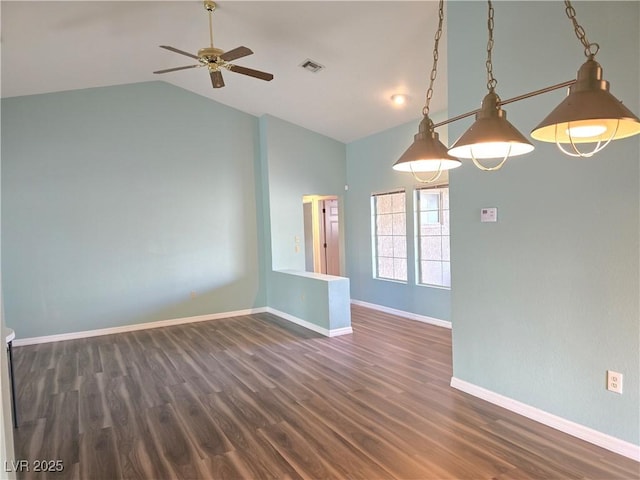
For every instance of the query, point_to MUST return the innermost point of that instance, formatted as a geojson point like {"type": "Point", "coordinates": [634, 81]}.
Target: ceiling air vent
{"type": "Point", "coordinates": [312, 66]}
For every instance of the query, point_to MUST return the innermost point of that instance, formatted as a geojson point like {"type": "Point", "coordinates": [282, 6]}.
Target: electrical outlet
{"type": "Point", "coordinates": [614, 381]}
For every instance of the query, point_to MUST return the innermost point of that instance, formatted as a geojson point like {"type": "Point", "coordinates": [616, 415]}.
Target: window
{"type": "Point", "coordinates": [389, 228]}
{"type": "Point", "coordinates": [434, 263]}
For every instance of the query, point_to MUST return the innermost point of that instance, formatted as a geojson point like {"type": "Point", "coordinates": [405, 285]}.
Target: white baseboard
{"type": "Point", "coordinates": [587, 434]}
{"type": "Point", "coordinates": [401, 313]}
{"type": "Point", "coordinates": [131, 328]}
{"type": "Point", "coordinates": [311, 326]}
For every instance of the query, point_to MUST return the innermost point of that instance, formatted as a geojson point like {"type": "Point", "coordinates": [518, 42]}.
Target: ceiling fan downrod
{"type": "Point", "coordinates": [209, 55]}
{"type": "Point", "coordinates": [210, 6]}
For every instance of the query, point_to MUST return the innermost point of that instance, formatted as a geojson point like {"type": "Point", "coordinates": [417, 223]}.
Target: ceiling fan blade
{"type": "Point", "coordinates": [251, 72]}
{"type": "Point", "coordinates": [181, 52]}
{"type": "Point", "coordinates": [177, 68]}
{"type": "Point", "coordinates": [216, 79]}
{"type": "Point", "coordinates": [235, 54]}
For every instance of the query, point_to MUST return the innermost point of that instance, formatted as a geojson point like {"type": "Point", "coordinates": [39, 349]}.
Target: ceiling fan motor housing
{"type": "Point", "coordinates": [210, 53]}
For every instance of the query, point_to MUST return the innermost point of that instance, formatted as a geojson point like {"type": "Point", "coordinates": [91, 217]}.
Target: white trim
{"type": "Point", "coordinates": [336, 332]}
{"type": "Point", "coordinates": [310, 326]}
{"type": "Point", "coordinates": [401, 313]}
{"type": "Point", "coordinates": [587, 434]}
{"type": "Point", "coordinates": [131, 328]}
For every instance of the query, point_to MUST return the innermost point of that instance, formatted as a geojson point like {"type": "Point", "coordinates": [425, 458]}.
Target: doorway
{"type": "Point", "coordinates": [322, 234]}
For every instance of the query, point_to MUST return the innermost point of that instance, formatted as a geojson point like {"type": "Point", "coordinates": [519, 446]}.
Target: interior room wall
{"type": "Point", "coordinates": [545, 301]}
{"type": "Point", "coordinates": [7, 455]}
{"type": "Point", "coordinates": [127, 204]}
{"type": "Point", "coordinates": [369, 162]}
{"type": "Point", "coordinates": [296, 162]}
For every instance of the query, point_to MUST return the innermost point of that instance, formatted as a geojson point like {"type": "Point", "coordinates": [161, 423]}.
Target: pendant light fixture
{"type": "Point", "coordinates": [427, 153]}
{"type": "Point", "coordinates": [491, 136]}
{"type": "Point", "coordinates": [589, 113]}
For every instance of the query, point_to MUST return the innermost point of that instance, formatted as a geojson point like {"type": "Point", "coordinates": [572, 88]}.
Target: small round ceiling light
{"type": "Point", "coordinates": [399, 99]}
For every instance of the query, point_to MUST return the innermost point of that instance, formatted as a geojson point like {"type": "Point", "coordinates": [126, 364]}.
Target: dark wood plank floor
{"type": "Point", "coordinates": [258, 398]}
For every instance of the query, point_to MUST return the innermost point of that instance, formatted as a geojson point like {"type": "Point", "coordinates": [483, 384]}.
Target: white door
{"type": "Point", "coordinates": [330, 237]}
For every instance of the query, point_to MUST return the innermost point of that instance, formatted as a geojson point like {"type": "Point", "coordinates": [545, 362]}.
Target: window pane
{"type": "Point", "coordinates": [429, 200]}
{"type": "Point", "coordinates": [446, 254]}
{"type": "Point", "coordinates": [432, 273]}
{"type": "Point", "coordinates": [430, 229]}
{"type": "Point", "coordinates": [383, 204]}
{"type": "Point", "coordinates": [397, 201]}
{"type": "Point", "coordinates": [400, 247]}
{"type": "Point", "coordinates": [390, 236]}
{"type": "Point", "coordinates": [384, 224]}
{"type": "Point", "coordinates": [385, 267]}
{"type": "Point", "coordinates": [400, 268]}
{"type": "Point", "coordinates": [445, 222]}
{"type": "Point", "coordinates": [399, 224]}
{"type": "Point", "coordinates": [430, 218]}
{"type": "Point", "coordinates": [434, 251]}
{"type": "Point", "coordinates": [431, 248]}
{"type": "Point", "coordinates": [446, 274]}
{"type": "Point", "coordinates": [385, 246]}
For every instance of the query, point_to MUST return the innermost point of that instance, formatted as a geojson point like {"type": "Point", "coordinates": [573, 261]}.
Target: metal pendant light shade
{"type": "Point", "coordinates": [589, 113]}
{"type": "Point", "coordinates": [427, 153]}
{"type": "Point", "coordinates": [491, 135]}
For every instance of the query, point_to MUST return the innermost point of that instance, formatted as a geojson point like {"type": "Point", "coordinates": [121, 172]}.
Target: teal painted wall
{"type": "Point", "coordinates": [297, 162]}
{"type": "Point", "coordinates": [119, 202]}
{"type": "Point", "coordinates": [319, 299]}
{"type": "Point", "coordinates": [369, 163]}
{"type": "Point", "coordinates": [546, 300]}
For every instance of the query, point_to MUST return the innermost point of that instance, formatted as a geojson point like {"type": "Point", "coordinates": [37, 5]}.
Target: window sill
{"type": "Point", "coordinates": [391, 280]}
{"type": "Point", "coordinates": [437, 287]}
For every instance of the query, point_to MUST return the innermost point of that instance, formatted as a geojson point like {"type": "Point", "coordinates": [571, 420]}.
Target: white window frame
{"type": "Point", "coordinates": [444, 257]}
{"type": "Point", "coordinates": [397, 238]}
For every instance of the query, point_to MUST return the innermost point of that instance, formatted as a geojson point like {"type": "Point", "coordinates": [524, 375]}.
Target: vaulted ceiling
{"type": "Point", "coordinates": [371, 50]}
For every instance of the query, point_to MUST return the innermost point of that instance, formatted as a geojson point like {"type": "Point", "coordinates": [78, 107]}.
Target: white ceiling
{"type": "Point", "coordinates": [371, 50]}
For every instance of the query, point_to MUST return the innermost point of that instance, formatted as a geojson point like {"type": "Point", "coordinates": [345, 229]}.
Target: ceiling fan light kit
{"type": "Point", "coordinates": [589, 114]}
{"type": "Point", "coordinates": [216, 59]}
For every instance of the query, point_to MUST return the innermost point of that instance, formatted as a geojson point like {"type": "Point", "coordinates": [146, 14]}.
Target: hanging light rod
{"type": "Point", "coordinates": [589, 114]}
{"type": "Point", "coordinates": [524, 96]}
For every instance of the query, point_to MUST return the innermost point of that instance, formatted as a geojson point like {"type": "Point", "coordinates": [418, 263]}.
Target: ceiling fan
{"type": "Point", "coordinates": [216, 59]}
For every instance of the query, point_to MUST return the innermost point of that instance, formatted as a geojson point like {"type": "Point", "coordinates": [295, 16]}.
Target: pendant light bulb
{"type": "Point", "coordinates": [491, 136]}
{"type": "Point", "coordinates": [588, 114]}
